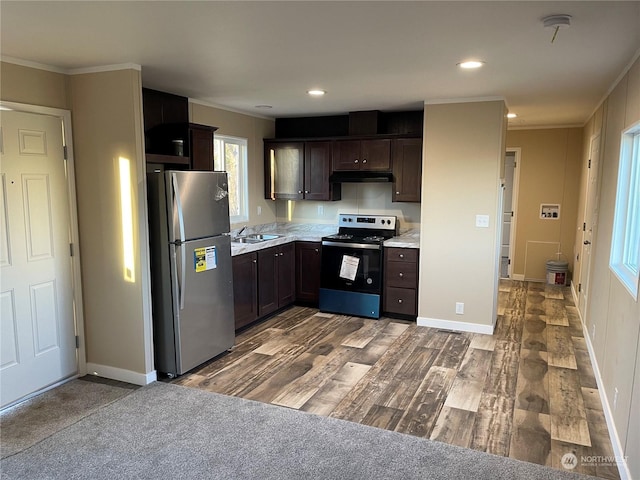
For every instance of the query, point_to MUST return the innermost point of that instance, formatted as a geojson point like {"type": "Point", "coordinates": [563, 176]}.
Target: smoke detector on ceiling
{"type": "Point", "coordinates": [556, 22]}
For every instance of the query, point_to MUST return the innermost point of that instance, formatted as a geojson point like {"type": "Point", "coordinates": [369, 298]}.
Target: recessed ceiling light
{"type": "Point", "coordinates": [471, 64]}
{"type": "Point", "coordinates": [316, 92]}
{"type": "Point", "coordinates": [511, 115]}
{"type": "Point", "coordinates": [264, 106]}
{"type": "Point", "coordinates": [2, 107]}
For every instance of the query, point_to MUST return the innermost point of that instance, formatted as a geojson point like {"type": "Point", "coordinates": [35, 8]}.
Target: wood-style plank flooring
{"type": "Point", "coordinates": [527, 392]}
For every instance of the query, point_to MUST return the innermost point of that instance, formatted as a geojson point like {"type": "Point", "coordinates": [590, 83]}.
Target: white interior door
{"type": "Point", "coordinates": [590, 223]}
{"type": "Point", "coordinates": [38, 345]}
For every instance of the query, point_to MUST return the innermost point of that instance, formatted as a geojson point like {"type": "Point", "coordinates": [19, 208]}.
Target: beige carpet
{"type": "Point", "coordinates": [40, 417]}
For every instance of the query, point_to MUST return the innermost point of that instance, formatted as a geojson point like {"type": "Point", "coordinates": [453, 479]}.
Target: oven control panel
{"type": "Point", "coordinates": [373, 222]}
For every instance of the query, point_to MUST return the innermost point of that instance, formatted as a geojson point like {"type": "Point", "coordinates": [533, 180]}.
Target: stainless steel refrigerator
{"type": "Point", "coordinates": [191, 278]}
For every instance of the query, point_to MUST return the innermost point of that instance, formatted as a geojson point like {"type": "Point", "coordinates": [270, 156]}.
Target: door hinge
{"type": "Point", "coordinates": [71, 249]}
{"type": "Point", "coordinates": [64, 152]}
{"type": "Point", "coordinates": [579, 287]}
{"type": "Point", "coordinates": [584, 227]}
{"type": "Point", "coordinates": [589, 164]}
{"type": "Point", "coordinates": [77, 341]}
{"type": "Point", "coordinates": [512, 213]}
{"type": "Point", "coordinates": [509, 262]}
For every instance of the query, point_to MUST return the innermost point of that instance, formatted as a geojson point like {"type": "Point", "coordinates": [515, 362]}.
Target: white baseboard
{"type": "Point", "coordinates": [453, 325]}
{"type": "Point", "coordinates": [623, 468]}
{"type": "Point", "coordinates": [518, 277]}
{"type": "Point", "coordinates": [574, 294]}
{"type": "Point", "coordinates": [122, 375]}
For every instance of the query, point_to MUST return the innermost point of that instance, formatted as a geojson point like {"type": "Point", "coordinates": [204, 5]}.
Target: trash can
{"type": "Point", "coordinates": [557, 272]}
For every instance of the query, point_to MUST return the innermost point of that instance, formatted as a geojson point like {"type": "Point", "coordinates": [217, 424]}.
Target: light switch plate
{"type": "Point", "coordinates": [482, 221]}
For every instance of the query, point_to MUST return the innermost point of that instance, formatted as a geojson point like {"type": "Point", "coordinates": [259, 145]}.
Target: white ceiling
{"type": "Point", "coordinates": [368, 55]}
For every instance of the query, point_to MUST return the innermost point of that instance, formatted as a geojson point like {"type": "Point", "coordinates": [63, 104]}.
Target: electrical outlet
{"type": "Point", "coordinates": [615, 399]}
{"type": "Point", "coordinates": [320, 210]}
{"type": "Point", "coordinates": [593, 332]}
{"type": "Point", "coordinates": [259, 210]}
{"type": "Point", "coordinates": [459, 308]}
{"type": "Point", "coordinates": [482, 221]}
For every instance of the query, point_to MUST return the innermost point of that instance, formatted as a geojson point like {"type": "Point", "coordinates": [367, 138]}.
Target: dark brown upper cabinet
{"type": "Point", "coordinates": [201, 147]}
{"type": "Point", "coordinates": [169, 137]}
{"type": "Point", "coordinates": [407, 169]}
{"type": "Point", "coordinates": [369, 154]}
{"type": "Point", "coordinates": [299, 171]}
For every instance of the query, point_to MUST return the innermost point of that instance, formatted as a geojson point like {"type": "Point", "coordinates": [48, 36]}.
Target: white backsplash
{"type": "Point", "coordinates": [358, 198]}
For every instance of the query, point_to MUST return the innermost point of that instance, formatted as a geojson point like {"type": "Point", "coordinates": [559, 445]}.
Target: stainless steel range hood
{"type": "Point", "coordinates": [361, 177]}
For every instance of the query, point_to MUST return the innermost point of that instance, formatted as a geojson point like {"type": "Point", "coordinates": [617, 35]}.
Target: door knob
{"type": "Point", "coordinates": [587, 242]}
{"type": "Point", "coordinates": [401, 274]}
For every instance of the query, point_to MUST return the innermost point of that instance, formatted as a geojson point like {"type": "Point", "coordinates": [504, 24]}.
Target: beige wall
{"type": "Point", "coordinates": [33, 86]}
{"type": "Point", "coordinates": [254, 129]}
{"type": "Point", "coordinates": [107, 125]}
{"type": "Point", "coordinates": [462, 157]}
{"type": "Point", "coordinates": [363, 198]}
{"type": "Point", "coordinates": [612, 315]}
{"type": "Point", "coordinates": [550, 169]}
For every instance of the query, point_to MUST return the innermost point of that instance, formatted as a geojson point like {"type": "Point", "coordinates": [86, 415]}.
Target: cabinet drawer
{"type": "Point", "coordinates": [401, 274]}
{"type": "Point", "coordinates": [400, 300]}
{"type": "Point", "coordinates": [401, 254]}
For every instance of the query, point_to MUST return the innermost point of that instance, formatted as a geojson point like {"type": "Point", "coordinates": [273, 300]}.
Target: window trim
{"type": "Point", "coordinates": [243, 181]}
{"type": "Point", "coordinates": [624, 263]}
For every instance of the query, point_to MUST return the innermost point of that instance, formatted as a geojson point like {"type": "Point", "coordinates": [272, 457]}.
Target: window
{"type": "Point", "coordinates": [230, 155]}
{"type": "Point", "coordinates": [625, 245]}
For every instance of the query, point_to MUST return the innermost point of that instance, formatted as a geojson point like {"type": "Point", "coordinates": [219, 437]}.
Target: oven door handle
{"type": "Point", "coordinates": [354, 246]}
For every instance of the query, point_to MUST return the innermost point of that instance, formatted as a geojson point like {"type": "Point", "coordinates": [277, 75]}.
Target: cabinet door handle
{"type": "Point", "coordinates": [397, 193]}
{"type": "Point", "coordinates": [364, 161]}
{"type": "Point", "coordinates": [299, 191]}
{"type": "Point", "coordinates": [399, 300]}
{"type": "Point", "coordinates": [401, 255]}
{"type": "Point", "coordinates": [317, 250]}
{"type": "Point", "coordinates": [281, 254]}
{"type": "Point", "coordinates": [254, 261]}
{"type": "Point", "coordinates": [401, 274]}
{"type": "Point", "coordinates": [355, 161]}
{"type": "Point", "coordinates": [306, 191]}
{"type": "Point", "coordinates": [276, 255]}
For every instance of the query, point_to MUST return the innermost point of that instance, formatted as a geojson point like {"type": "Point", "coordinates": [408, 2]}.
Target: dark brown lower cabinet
{"type": "Point", "coordinates": [245, 288]}
{"type": "Point", "coordinates": [276, 278]}
{"type": "Point", "coordinates": [308, 272]}
{"type": "Point", "coordinates": [401, 282]}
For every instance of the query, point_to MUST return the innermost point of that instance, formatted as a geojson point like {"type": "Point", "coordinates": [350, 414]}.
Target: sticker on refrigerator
{"type": "Point", "coordinates": [349, 267]}
{"type": "Point", "coordinates": [205, 259]}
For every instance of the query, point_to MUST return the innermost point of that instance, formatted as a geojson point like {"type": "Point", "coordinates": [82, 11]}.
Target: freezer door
{"type": "Point", "coordinates": [197, 204]}
{"type": "Point", "coordinates": [203, 301]}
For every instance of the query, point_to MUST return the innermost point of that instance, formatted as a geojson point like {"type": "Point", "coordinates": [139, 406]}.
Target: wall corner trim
{"type": "Point", "coordinates": [439, 101]}
{"type": "Point", "coordinates": [122, 375]}
{"type": "Point", "coordinates": [105, 68]}
{"type": "Point", "coordinates": [454, 325]}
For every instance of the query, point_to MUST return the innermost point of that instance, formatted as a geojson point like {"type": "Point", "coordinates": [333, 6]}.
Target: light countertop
{"type": "Point", "coordinates": [293, 232]}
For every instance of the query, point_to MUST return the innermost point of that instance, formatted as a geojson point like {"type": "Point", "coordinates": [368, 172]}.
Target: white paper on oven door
{"type": "Point", "coordinates": [349, 267]}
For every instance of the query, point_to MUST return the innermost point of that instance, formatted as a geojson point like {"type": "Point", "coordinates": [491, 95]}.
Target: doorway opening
{"type": "Point", "coordinates": [509, 208]}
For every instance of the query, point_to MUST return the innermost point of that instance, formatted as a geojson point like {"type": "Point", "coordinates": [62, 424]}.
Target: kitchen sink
{"type": "Point", "coordinates": [263, 236]}
{"type": "Point", "coordinates": [255, 238]}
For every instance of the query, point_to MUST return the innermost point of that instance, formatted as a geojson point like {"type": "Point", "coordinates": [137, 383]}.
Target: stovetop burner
{"type": "Point", "coordinates": [340, 236]}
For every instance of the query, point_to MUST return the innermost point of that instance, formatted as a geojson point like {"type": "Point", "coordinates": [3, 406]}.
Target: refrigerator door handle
{"type": "Point", "coordinates": [183, 273]}
{"type": "Point", "coordinates": [176, 199]}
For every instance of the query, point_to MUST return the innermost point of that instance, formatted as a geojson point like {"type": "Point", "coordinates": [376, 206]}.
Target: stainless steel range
{"type": "Point", "coordinates": [351, 268]}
